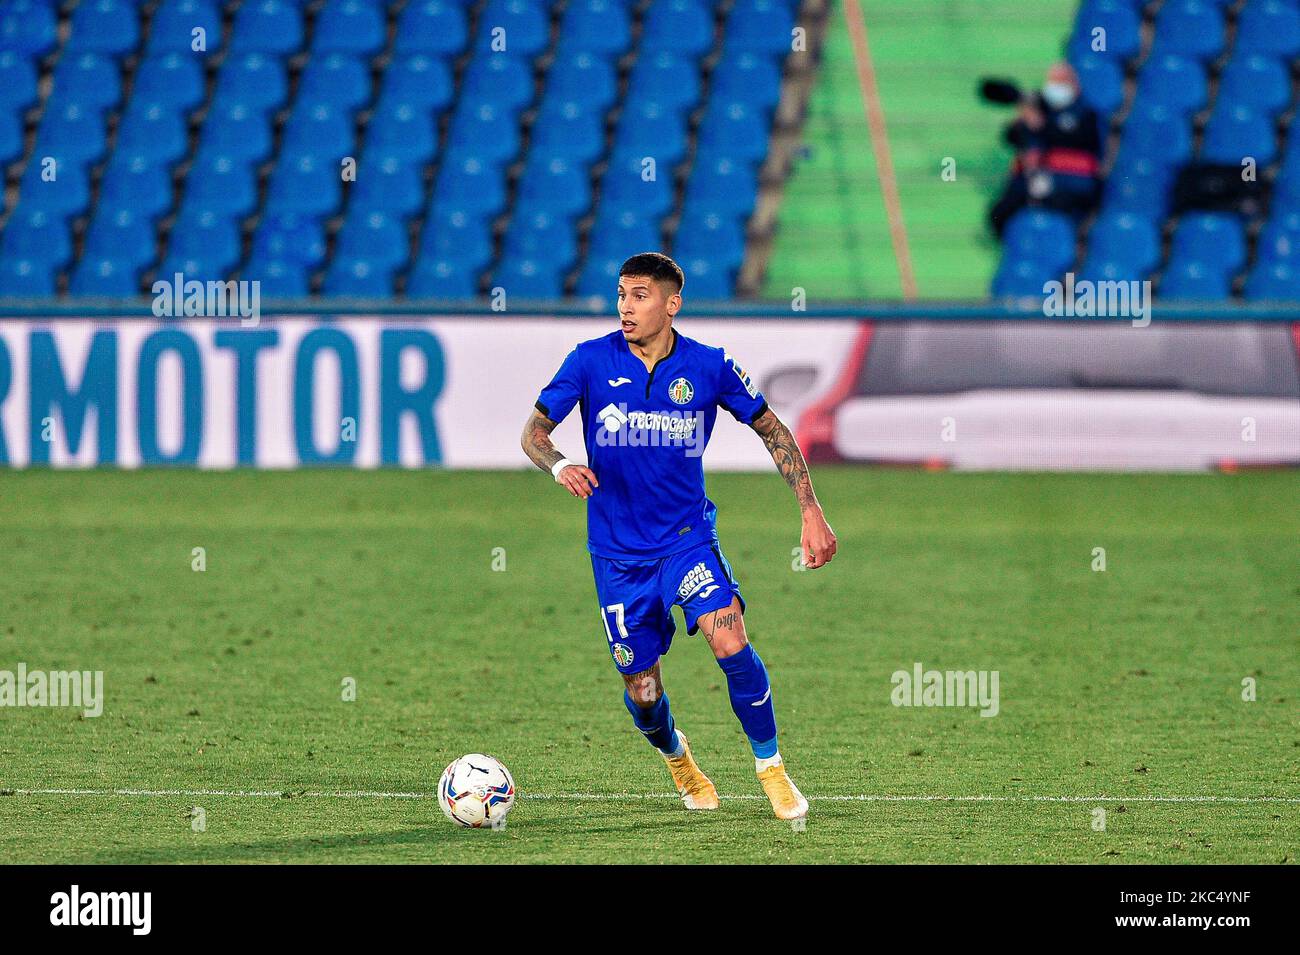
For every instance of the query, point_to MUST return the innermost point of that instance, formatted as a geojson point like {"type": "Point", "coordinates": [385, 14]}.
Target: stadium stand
{"type": "Point", "coordinates": [1185, 81]}
{"type": "Point", "coordinates": [529, 144]}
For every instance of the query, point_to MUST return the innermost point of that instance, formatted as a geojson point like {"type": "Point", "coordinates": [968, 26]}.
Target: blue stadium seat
{"type": "Point", "coordinates": [1175, 81]}
{"type": "Point", "coordinates": [1280, 239]}
{"type": "Point", "coordinates": [267, 26]}
{"type": "Point", "coordinates": [349, 26]}
{"type": "Point", "coordinates": [684, 27]}
{"type": "Point", "coordinates": [191, 268]}
{"type": "Point", "coordinates": [1271, 27]}
{"type": "Point", "coordinates": [526, 26]}
{"type": "Point", "coordinates": [174, 22]}
{"type": "Point", "coordinates": [18, 80]}
{"type": "Point", "coordinates": [388, 185]}
{"type": "Point", "coordinates": [154, 130]}
{"type": "Point", "coordinates": [38, 235]}
{"type": "Point", "coordinates": [1191, 28]}
{"type": "Point", "coordinates": [237, 131]}
{"type": "Point", "coordinates": [1140, 186]}
{"type": "Point", "coordinates": [1041, 235]}
{"type": "Point", "coordinates": [651, 129]}
{"type": "Point", "coordinates": [471, 185]}
{"type": "Point", "coordinates": [745, 76]}
{"type": "Point", "coordinates": [761, 26]}
{"type": "Point", "coordinates": [291, 239]}
{"type": "Point", "coordinates": [66, 194]}
{"type": "Point", "coordinates": [500, 78]}
{"type": "Point", "coordinates": [206, 236]}
{"type": "Point", "coordinates": [1109, 28]}
{"type": "Point", "coordinates": [358, 278]}
{"type": "Point", "coordinates": [123, 234]}
{"type": "Point", "coordinates": [320, 130]}
{"type": "Point", "coordinates": [174, 79]}
{"type": "Point", "coordinates": [418, 80]}
{"type": "Point", "coordinates": [104, 26]}
{"type": "Point", "coordinates": [1101, 81]}
{"type": "Point", "coordinates": [555, 185]}
{"type": "Point", "coordinates": [625, 187]}
{"type": "Point", "coordinates": [599, 26]}
{"type": "Point", "coordinates": [23, 278]}
{"type": "Point", "coordinates": [529, 279]}
{"type": "Point", "coordinates": [432, 27]}
{"type": "Point", "coordinates": [707, 279]}
{"type": "Point", "coordinates": [133, 182]}
{"type": "Point", "coordinates": [733, 129]}
{"type": "Point", "coordinates": [599, 276]}
{"type": "Point", "coordinates": [458, 237]}
{"type": "Point", "coordinates": [11, 138]}
{"type": "Point", "coordinates": [1260, 83]}
{"type": "Point", "coordinates": [403, 132]}
{"type": "Point", "coordinates": [278, 279]}
{"type": "Point", "coordinates": [485, 130]}
{"type": "Point", "coordinates": [543, 236]}
{"type": "Point", "coordinates": [105, 278]}
{"type": "Point", "coordinates": [586, 79]}
{"type": "Point", "coordinates": [307, 186]}
{"type": "Point", "coordinates": [621, 233]}
{"type": "Point", "coordinates": [568, 130]}
{"type": "Point", "coordinates": [258, 81]}
{"type": "Point", "coordinates": [441, 278]}
{"type": "Point", "coordinates": [1099, 269]}
{"type": "Point", "coordinates": [92, 79]}
{"type": "Point", "coordinates": [29, 27]}
{"type": "Point", "coordinates": [723, 186]}
{"type": "Point", "coordinates": [1235, 133]}
{"type": "Point", "coordinates": [1215, 239]}
{"type": "Point", "coordinates": [374, 237]}
{"type": "Point", "coordinates": [1124, 238]}
{"type": "Point", "coordinates": [1156, 133]}
{"type": "Point", "coordinates": [73, 130]}
{"type": "Point", "coordinates": [1195, 279]}
{"type": "Point", "coordinates": [337, 79]}
{"type": "Point", "coordinates": [1274, 281]}
{"type": "Point", "coordinates": [719, 239]}
{"type": "Point", "coordinates": [1022, 278]}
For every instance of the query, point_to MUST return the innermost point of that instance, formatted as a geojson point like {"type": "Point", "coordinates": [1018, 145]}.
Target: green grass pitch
{"type": "Point", "coordinates": [1116, 687]}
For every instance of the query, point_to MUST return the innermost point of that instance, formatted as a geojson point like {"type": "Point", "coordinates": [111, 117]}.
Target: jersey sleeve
{"type": "Point", "coordinates": [566, 388]}
{"type": "Point", "coordinates": [738, 393]}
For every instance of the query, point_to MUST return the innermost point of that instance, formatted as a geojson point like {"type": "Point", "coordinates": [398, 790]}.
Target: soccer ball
{"type": "Point", "coordinates": [476, 790]}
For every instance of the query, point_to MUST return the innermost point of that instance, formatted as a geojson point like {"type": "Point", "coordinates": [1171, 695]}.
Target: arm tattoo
{"type": "Point", "coordinates": [536, 441]}
{"type": "Point", "coordinates": [789, 459]}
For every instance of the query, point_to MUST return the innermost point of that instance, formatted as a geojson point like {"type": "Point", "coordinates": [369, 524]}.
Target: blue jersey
{"type": "Point", "coordinates": [645, 433]}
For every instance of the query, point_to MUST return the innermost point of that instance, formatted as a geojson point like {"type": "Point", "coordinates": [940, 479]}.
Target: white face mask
{"type": "Point", "coordinates": [1058, 95]}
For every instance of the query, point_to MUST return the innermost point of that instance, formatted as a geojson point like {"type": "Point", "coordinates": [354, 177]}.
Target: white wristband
{"type": "Point", "coordinates": [559, 466]}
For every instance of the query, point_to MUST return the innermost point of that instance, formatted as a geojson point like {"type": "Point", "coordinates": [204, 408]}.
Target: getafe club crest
{"type": "Point", "coordinates": [681, 391]}
{"type": "Point", "coordinates": [622, 654]}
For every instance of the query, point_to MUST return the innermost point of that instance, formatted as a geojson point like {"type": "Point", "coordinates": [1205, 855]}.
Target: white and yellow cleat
{"type": "Point", "coordinates": [787, 801]}
{"type": "Point", "coordinates": [696, 789]}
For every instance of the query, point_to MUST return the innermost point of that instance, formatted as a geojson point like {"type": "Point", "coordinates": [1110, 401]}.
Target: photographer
{"type": "Point", "coordinates": [1057, 138]}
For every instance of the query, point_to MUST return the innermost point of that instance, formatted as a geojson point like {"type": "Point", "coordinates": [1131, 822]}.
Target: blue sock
{"type": "Point", "coordinates": [655, 722]}
{"type": "Point", "coordinates": [751, 699]}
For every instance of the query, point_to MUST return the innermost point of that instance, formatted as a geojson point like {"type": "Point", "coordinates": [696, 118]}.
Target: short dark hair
{"type": "Point", "coordinates": [657, 266]}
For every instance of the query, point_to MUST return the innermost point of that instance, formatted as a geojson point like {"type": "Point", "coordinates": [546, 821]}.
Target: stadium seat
{"type": "Point", "coordinates": [1274, 281]}
{"type": "Point", "coordinates": [37, 235]}
{"type": "Point", "coordinates": [568, 130]}
{"type": "Point", "coordinates": [174, 23]}
{"type": "Point", "coordinates": [358, 278]}
{"type": "Point", "coordinates": [440, 278]}
{"type": "Point", "coordinates": [106, 278]}
{"type": "Point", "coordinates": [1022, 278]}
{"type": "Point", "coordinates": [664, 78]}
{"type": "Point", "coordinates": [432, 27]}
{"type": "Point", "coordinates": [1175, 81]}
{"type": "Point", "coordinates": [278, 279]}
{"type": "Point", "coordinates": [307, 186]}
{"type": "Point", "coordinates": [616, 231]}
{"type": "Point", "coordinates": [388, 185]}
{"type": "Point", "coordinates": [457, 237]}
{"type": "Point", "coordinates": [523, 24]}
{"type": "Point", "coordinates": [67, 193]}
{"type": "Point", "coordinates": [744, 76]}
{"type": "Point", "coordinates": [760, 26]}
{"type": "Point", "coordinates": [684, 27]}
{"type": "Point", "coordinates": [29, 27]}
{"type": "Point", "coordinates": [1109, 28]}
{"type": "Point", "coordinates": [290, 239]}
{"type": "Point", "coordinates": [1124, 238]}
{"type": "Point", "coordinates": [23, 278]}
{"type": "Point", "coordinates": [470, 185]}
{"type": "Point", "coordinates": [1140, 186]}
{"type": "Point", "coordinates": [418, 80]}
{"type": "Point", "coordinates": [1270, 27]}
{"type": "Point", "coordinates": [355, 27]}
{"type": "Point", "coordinates": [337, 80]}
{"type": "Point", "coordinates": [374, 237]}
{"type": "Point", "coordinates": [529, 278]}
{"type": "Point", "coordinates": [91, 80]}
{"type": "Point", "coordinates": [1194, 279]}
{"type": "Point", "coordinates": [72, 130]}
{"type": "Point", "coordinates": [267, 26]}
{"type": "Point", "coordinates": [598, 26]}
{"type": "Point", "coordinates": [719, 239]}
{"type": "Point", "coordinates": [1215, 239]}
{"type": "Point", "coordinates": [1192, 28]}
{"type": "Point", "coordinates": [650, 129]}
{"type": "Point", "coordinates": [555, 185]}
{"type": "Point", "coordinates": [1235, 133]}
{"type": "Point", "coordinates": [626, 185]}
{"type": "Point", "coordinates": [599, 277]}
{"type": "Point", "coordinates": [1101, 82]}
{"type": "Point", "coordinates": [11, 138]}
{"type": "Point", "coordinates": [1260, 83]}
{"type": "Point", "coordinates": [499, 78]}
{"type": "Point", "coordinates": [239, 132]}
{"type": "Point", "coordinates": [123, 234]}
{"type": "Point", "coordinates": [543, 236]}
{"type": "Point", "coordinates": [154, 130]}
{"type": "Point", "coordinates": [172, 79]}
{"type": "Point", "coordinates": [1158, 134]}
{"type": "Point", "coordinates": [206, 236]}
{"type": "Point", "coordinates": [586, 79]}
{"type": "Point", "coordinates": [733, 129]}
{"type": "Point", "coordinates": [723, 186]}
{"type": "Point", "coordinates": [320, 130]}
{"type": "Point", "coordinates": [403, 132]}
{"type": "Point", "coordinates": [132, 181]}
{"type": "Point", "coordinates": [104, 26]}
{"type": "Point", "coordinates": [1041, 235]}
{"type": "Point", "coordinates": [485, 130]}
{"type": "Point", "coordinates": [707, 279]}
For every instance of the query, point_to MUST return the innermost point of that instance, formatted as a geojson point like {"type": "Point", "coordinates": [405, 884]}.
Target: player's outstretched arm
{"type": "Point", "coordinates": [536, 442]}
{"type": "Point", "coordinates": [817, 539]}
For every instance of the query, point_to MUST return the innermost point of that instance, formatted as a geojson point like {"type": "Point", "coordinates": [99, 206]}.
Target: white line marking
{"type": "Point", "coordinates": [620, 797]}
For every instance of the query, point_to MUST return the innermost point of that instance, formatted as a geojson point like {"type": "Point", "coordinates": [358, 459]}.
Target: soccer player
{"type": "Point", "coordinates": [649, 397]}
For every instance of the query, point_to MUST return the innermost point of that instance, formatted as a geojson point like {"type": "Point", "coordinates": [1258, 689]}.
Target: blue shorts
{"type": "Point", "coordinates": [637, 598]}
